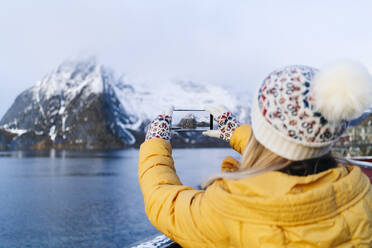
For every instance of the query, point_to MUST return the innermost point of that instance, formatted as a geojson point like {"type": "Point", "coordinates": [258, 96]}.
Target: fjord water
{"type": "Point", "coordinates": [84, 199]}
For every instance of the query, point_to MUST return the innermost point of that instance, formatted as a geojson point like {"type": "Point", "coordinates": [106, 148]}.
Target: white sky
{"type": "Point", "coordinates": [230, 43]}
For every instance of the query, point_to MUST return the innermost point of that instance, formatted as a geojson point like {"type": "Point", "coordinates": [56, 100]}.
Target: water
{"type": "Point", "coordinates": [83, 199]}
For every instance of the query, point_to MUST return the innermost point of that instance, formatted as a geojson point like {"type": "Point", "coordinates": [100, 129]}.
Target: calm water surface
{"type": "Point", "coordinates": [84, 199]}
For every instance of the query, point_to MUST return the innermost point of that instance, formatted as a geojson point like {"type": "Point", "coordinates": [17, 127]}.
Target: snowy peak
{"type": "Point", "coordinates": [71, 77]}
{"type": "Point", "coordinates": [70, 107]}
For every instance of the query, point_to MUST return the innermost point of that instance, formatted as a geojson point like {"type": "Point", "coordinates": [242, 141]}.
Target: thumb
{"type": "Point", "coordinates": [169, 111]}
{"type": "Point", "coordinates": [212, 110]}
{"type": "Point", "coordinates": [212, 133]}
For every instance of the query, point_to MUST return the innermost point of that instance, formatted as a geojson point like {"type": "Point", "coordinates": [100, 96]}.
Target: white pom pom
{"type": "Point", "coordinates": [342, 91]}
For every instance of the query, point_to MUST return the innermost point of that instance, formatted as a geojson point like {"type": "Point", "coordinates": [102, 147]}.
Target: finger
{"type": "Point", "coordinates": [160, 114]}
{"type": "Point", "coordinates": [147, 128]}
{"type": "Point", "coordinates": [209, 109]}
{"type": "Point", "coordinates": [212, 133]}
{"type": "Point", "coordinates": [169, 111]}
{"type": "Point", "coordinates": [213, 111]}
{"type": "Point", "coordinates": [221, 109]}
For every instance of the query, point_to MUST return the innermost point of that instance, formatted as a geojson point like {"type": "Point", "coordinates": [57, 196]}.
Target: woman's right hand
{"type": "Point", "coordinates": [227, 123]}
{"type": "Point", "coordinates": [160, 127]}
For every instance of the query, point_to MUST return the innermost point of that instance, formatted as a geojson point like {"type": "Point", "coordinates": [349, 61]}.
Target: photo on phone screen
{"type": "Point", "coordinates": [191, 120]}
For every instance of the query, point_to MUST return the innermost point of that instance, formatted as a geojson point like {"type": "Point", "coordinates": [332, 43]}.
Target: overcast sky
{"type": "Point", "coordinates": [234, 44]}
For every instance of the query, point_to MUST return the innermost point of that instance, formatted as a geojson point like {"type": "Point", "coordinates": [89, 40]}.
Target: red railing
{"type": "Point", "coordinates": [367, 171]}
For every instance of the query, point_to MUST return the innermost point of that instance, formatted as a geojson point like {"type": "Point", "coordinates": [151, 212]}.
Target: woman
{"type": "Point", "coordinates": [287, 191]}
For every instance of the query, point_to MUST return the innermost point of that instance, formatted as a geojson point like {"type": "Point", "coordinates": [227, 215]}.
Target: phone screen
{"type": "Point", "coordinates": [191, 120]}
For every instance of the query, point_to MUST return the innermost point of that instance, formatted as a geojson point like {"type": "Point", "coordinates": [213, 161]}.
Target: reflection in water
{"type": "Point", "coordinates": [83, 199]}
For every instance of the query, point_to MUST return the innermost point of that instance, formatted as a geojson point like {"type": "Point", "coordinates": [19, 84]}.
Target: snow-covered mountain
{"type": "Point", "coordinates": [82, 104]}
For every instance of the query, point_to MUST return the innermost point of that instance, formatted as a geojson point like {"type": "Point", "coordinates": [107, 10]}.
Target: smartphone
{"type": "Point", "coordinates": [191, 120]}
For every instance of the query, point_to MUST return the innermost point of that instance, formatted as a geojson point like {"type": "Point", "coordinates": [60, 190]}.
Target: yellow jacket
{"type": "Point", "coordinates": [329, 209]}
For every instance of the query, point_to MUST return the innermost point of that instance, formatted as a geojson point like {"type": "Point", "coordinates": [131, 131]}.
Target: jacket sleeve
{"type": "Point", "coordinates": [240, 137]}
{"type": "Point", "coordinates": [178, 211]}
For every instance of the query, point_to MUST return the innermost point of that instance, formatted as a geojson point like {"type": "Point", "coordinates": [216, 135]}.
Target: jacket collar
{"type": "Point", "coordinates": [278, 198]}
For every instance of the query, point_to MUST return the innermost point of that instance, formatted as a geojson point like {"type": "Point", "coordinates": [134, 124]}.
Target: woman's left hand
{"type": "Point", "coordinates": [227, 123]}
{"type": "Point", "coordinates": [160, 127]}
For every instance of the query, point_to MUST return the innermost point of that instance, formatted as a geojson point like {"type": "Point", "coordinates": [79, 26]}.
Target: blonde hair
{"type": "Point", "coordinates": [256, 160]}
